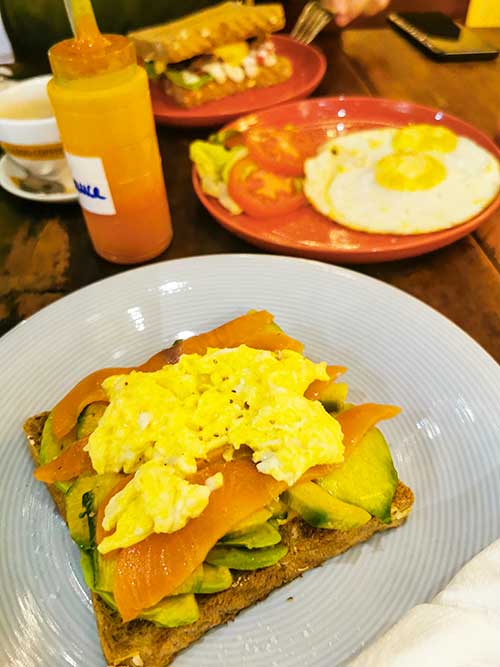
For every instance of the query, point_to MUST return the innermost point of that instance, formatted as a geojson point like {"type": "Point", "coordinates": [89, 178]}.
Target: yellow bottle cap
{"type": "Point", "coordinates": [77, 58]}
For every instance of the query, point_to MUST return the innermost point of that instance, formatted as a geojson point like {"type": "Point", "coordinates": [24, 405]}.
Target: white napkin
{"type": "Point", "coordinates": [460, 628]}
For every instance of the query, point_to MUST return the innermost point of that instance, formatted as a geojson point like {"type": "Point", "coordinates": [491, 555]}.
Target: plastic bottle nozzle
{"type": "Point", "coordinates": [82, 19]}
{"type": "Point", "coordinates": [90, 53]}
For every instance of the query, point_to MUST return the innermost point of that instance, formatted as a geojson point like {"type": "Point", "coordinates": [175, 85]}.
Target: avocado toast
{"type": "Point", "coordinates": [275, 543]}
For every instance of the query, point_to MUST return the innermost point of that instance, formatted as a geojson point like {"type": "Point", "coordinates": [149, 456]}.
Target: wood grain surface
{"type": "Point", "coordinates": [45, 251]}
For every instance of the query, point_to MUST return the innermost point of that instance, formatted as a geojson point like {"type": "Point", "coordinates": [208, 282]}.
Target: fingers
{"type": "Point", "coordinates": [336, 6]}
{"type": "Point", "coordinates": [375, 6]}
{"type": "Point", "coordinates": [347, 10]}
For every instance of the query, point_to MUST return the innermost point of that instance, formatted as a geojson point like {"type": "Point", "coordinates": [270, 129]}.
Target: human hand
{"type": "Point", "coordinates": [347, 10]}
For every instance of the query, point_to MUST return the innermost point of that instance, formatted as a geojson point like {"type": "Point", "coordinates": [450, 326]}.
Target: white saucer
{"type": "Point", "coordinates": [10, 171]}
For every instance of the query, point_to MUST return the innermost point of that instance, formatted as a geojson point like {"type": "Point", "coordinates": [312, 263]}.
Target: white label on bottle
{"type": "Point", "coordinates": [91, 183]}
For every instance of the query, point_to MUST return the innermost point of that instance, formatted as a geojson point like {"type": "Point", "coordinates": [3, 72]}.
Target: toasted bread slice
{"type": "Point", "coordinates": [201, 32]}
{"type": "Point", "coordinates": [267, 76]}
{"type": "Point", "coordinates": [142, 643]}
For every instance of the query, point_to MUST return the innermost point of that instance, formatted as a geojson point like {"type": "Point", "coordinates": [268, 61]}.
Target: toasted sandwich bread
{"type": "Point", "coordinates": [201, 32]}
{"type": "Point", "coordinates": [141, 643]}
{"type": "Point", "coordinates": [267, 76]}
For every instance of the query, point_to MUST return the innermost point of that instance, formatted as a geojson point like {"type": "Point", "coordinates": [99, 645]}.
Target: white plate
{"type": "Point", "coordinates": [445, 446]}
{"type": "Point", "coordinates": [9, 171]}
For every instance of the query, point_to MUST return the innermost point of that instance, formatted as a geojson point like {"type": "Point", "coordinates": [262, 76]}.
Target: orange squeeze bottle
{"type": "Point", "coordinates": [102, 105]}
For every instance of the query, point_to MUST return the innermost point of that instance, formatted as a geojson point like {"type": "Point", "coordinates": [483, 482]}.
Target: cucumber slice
{"type": "Point", "coordinates": [82, 501]}
{"type": "Point", "coordinates": [321, 510]}
{"type": "Point", "coordinates": [367, 478]}
{"type": "Point", "coordinates": [237, 558]}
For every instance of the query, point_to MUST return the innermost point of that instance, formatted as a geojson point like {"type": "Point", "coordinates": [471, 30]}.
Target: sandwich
{"type": "Point", "coordinates": [199, 482]}
{"type": "Point", "coordinates": [215, 53]}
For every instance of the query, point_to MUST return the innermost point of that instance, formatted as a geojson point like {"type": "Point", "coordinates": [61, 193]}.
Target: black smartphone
{"type": "Point", "coordinates": [440, 37]}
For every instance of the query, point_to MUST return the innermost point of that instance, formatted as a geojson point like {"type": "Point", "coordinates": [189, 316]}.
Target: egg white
{"type": "Point", "coordinates": [340, 183]}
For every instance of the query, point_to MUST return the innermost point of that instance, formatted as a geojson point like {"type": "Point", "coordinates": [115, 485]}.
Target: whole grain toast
{"type": "Point", "coordinates": [141, 643]}
{"type": "Point", "coordinates": [266, 76]}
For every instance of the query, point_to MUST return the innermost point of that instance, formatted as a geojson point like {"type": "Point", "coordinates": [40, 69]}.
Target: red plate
{"type": "Point", "coordinates": [305, 232]}
{"type": "Point", "coordinates": [309, 66]}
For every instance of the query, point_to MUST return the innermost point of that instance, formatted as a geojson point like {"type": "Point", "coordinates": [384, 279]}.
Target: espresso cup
{"type": "Point", "coordinates": [32, 142]}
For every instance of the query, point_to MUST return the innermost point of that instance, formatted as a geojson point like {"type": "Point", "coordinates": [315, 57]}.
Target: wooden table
{"type": "Point", "coordinates": [45, 251]}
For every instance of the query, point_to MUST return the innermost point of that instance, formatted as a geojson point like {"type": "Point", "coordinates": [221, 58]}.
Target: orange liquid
{"type": "Point", "coordinates": [109, 116]}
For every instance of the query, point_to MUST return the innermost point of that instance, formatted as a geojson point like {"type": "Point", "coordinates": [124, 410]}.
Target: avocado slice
{"type": "Point", "coordinates": [263, 535]}
{"type": "Point", "coordinates": [89, 418]}
{"type": "Point", "coordinates": [51, 447]}
{"type": "Point", "coordinates": [333, 396]}
{"type": "Point", "coordinates": [207, 579]}
{"type": "Point", "coordinates": [238, 558]}
{"type": "Point", "coordinates": [253, 521]}
{"type": "Point", "coordinates": [367, 478]}
{"type": "Point", "coordinates": [82, 500]}
{"type": "Point", "coordinates": [171, 612]}
{"type": "Point", "coordinates": [192, 583]}
{"type": "Point", "coordinates": [215, 578]}
{"type": "Point", "coordinates": [321, 510]}
{"type": "Point", "coordinates": [103, 572]}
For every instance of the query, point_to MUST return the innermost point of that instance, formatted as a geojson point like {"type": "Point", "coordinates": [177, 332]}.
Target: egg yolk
{"type": "Point", "coordinates": [232, 54]}
{"type": "Point", "coordinates": [409, 171]}
{"type": "Point", "coordinates": [416, 138]}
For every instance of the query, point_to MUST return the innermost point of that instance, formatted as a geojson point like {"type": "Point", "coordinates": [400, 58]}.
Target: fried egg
{"type": "Point", "coordinates": [158, 425]}
{"type": "Point", "coordinates": [413, 180]}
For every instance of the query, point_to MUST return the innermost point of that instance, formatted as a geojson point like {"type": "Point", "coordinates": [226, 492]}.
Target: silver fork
{"type": "Point", "coordinates": [313, 18]}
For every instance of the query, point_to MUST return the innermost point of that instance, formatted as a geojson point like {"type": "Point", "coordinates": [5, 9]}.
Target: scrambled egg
{"type": "Point", "coordinates": [159, 424]}
{"type": "Point", "coordinates": [139, 509]}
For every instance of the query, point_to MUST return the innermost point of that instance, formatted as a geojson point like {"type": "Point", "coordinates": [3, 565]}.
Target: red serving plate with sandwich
{"type": "Point", "coordinates": [307, 233]}
{"type": "Point", "coordinates": [309, 66]}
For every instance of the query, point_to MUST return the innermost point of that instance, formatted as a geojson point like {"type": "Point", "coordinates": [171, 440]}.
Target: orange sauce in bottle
{"type": "Point", "coordinates": [102, 104]}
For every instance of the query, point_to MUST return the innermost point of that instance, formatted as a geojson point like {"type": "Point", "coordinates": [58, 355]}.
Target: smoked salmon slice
{"type": "Point", "coordinates": [359, 419]}
{"type": "Point", "coordinates": [65, 414]}
{"type": "Point", "coordinates": [355, 423]}
{"type": "Point", "coordinates": [150, 570]}
{"type": "Point", "coordinates": [313, 391]}
{"type": "Point", "coordinates": [71, 463]}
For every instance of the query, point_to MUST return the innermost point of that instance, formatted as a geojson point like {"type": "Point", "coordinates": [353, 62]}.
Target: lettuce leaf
{"type": "Point", "coordinates": [177, 77]}
{"type": "Point", "coordinates": [213, 163]}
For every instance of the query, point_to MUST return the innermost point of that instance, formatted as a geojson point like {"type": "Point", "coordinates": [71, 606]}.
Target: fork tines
{"type": "Point", "coordinates": [311, 21]}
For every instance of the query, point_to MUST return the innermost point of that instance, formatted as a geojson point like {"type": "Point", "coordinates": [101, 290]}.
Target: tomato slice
{"type": "Point", "coordinates": [262, 193]}
{"type": "Point", "coordinates": [150, 570]}
{"type": "Point", "coordinates": [283, 150]}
